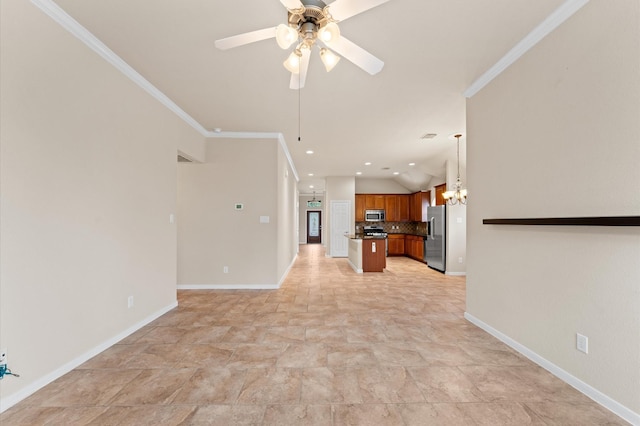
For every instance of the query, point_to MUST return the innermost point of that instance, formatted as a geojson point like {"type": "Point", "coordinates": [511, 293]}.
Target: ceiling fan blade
{"type": "Point", "coordinates": [246, 38]}
{"type": "Point", "coordinates": [291, 4]}
{"type": "Point", "coordinates": [297, 80]}
{"type": "Point", "coordinates": [345, 9]}
{"type": "Point", "coordinates": [357, 55]}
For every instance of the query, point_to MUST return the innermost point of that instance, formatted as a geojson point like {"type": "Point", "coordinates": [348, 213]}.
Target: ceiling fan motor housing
{"type": "Point", "coordinates": [308, 20]}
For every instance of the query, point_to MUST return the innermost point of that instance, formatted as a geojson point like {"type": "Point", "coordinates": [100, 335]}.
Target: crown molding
{"type": "Point", "coordinates": [55, 12]}
{"type": "Point", "coordinates": [561, 14]}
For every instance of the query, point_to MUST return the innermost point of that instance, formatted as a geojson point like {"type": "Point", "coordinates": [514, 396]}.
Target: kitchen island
{"type": "Point", "coordinates": [367, 254]}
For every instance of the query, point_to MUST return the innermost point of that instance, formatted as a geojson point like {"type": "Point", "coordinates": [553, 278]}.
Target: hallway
{"type": "Point", "coordinates": [330, 347]}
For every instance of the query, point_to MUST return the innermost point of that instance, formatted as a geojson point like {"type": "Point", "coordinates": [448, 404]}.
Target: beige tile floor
{"type": "Point", "coordinates": [329, 348]}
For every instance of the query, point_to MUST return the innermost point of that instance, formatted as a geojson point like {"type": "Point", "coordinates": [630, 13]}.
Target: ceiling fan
{"type": "Point", "coordinates": [313, 23]}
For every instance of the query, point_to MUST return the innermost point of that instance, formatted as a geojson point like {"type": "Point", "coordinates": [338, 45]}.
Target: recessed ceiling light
{"type": "Point", "coordinates": [412, 164]}
{"type": "Point", "coordinates": [385, 168]}
{"type": "Point", "coordinates": [428, 136]}
{"type": "Point", "coordinates": [396, 173]}
{"type": "Point", "coordinates": [311, 186]}
{"type": "Point", "coordinates": [367, 163]}
{"type": "Point", "coordinates": [309, 152]}
{"type": "Point", "coordinates": [310, 174]}
{"type": "Point", "coordinates": [358, 173]}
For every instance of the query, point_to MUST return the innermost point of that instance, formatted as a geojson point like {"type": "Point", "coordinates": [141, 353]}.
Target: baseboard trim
{"type": "Point", "coordinates": [602, 399]}
{"type": "Point", "coordinates": [13, 399]}
{"type": "Point", "coordinates": [358, 271]}
{"type": "Point", "coordinates": [286, 273]}
{"type": "Point", "coordinates": [228, 287]}
{"type": "Point", "coordinates": [456, 274]}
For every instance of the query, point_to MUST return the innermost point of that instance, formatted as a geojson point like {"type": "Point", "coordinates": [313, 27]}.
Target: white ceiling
{"type": "Point", "coordinates": [433, 51]}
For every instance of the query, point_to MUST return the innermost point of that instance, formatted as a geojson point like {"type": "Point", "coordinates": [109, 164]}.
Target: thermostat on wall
{"type": "Point", "coordinates": [239, 206]}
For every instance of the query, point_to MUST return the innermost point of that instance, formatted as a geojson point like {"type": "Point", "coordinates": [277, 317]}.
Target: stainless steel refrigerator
{"type": "Point", "coordinates": [434, 244]}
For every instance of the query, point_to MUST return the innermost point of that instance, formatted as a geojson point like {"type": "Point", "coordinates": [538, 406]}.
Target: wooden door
{"type": "Point", "coordinates": [314, 227]}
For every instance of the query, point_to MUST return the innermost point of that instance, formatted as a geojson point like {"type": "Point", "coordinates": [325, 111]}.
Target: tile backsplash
{"type": "Point", "coordinates": [419, 228]}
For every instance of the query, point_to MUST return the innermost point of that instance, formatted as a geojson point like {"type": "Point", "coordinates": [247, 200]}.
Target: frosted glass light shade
{"type": "Point", "coordinates": [292, 64]}
{"type": "Point", "coordinates": [285, 36]}
{"type": "Point", "coordinates": [329, 59]}
{"type": "Point", "coordinates": [329, 33]}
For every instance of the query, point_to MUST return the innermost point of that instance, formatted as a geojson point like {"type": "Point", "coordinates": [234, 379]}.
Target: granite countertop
{"type": "Point", "coordinates": [405, 233]}
{"type": "Point", "coordinates": [363, 237]}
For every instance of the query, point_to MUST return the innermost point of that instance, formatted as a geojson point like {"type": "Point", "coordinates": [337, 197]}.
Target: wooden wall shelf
{"type": "Point", "coordinates": [569, 221]}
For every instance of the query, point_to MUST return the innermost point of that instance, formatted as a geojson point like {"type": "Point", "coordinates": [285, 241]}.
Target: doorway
{"type": "Point", "coordinates": [314, 227]}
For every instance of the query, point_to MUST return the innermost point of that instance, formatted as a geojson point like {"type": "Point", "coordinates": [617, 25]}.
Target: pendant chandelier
{"type": "Point", "coordinates": [458, 195]}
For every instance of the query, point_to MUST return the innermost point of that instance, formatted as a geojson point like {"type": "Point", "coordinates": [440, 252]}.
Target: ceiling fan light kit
{"type": "Point", "coordinates": [285, 36]}
{"type": "Point", "coordinates": [329, 59]}
{"type": "Point", "coordinates": [311, 22]}
{"type": "Point", "coordinates": [292, 63]}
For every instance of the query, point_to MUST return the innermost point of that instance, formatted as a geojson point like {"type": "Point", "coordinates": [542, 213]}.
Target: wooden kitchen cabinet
{"type": "Point", "coordinates": [396, 244]}
{"type": "Point", "coordinates": [414, 247]}
{"type": "Point", "coordinates": [440, 189]}
{"type": "Point", "coordinates": [402, 208]}
{"type": "Point", "coordinates": [360, 207]}
{"type": "Point", "coordinates": [397, 208]}
{"type": "Point", "coordinates": [373, 255]}
{"type": "Point", "coordinates": [419, 203]}
{"type": "Point", "coordinates": [390, 208]}
{"type": "Point", "coordinates": [374, 202]}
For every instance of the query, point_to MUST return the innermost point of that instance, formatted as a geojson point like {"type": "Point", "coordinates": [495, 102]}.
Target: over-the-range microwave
{"type": "Point", "coordinates": [374, 215]}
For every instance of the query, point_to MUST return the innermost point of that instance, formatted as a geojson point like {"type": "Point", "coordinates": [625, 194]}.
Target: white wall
{"type": "Point", "coordinates": [87, 182]}
{"type": "Point", "coordinates": [212, 234]}
{"type": "Point", "coordinates": [379, 186]}
{"type": "Point", "coordinates": [287, 215]}
{"type": "Point", "coordinates": [558, 134]}
{"type": "Point", "coordinates": [456, 246]}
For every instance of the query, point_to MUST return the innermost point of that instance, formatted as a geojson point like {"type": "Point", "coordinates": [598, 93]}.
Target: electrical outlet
{"type": "Point", "coordinates": [582, 343]}
{"type": "Point", "coordinates": [130, 302]}
{"type": "Point", "coordinates": [225, 269]}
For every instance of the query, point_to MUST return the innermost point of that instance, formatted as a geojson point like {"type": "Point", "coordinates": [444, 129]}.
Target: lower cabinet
{"type": "Point", "coordinates": [406, 245]}
{"type": "Point", "coordinates": [414, 247]}
{"type": "Point", "coordinates": [373, 255]}
{"type": "Point", "coordinates": [396, 244]}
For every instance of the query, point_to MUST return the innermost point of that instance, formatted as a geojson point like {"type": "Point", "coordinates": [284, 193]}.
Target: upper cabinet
{"type": "Point", "coordinates": [360, 207]}
{"type": "Point", "coordinates": [374, 202]}
{"type": "Point", "coordinates": [397, 207]}
{"type": "Point", "coordinates": [419, 203]}
{"type": "Point", "coordinates": [440, 189]}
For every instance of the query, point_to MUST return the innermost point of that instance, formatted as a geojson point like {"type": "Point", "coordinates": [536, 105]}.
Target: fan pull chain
{"type": "Point", "coordinates": [299, 109]}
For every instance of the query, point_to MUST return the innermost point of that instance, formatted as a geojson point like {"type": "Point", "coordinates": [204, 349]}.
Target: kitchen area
{"type": "Point", "coordinates": [398, 225]}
